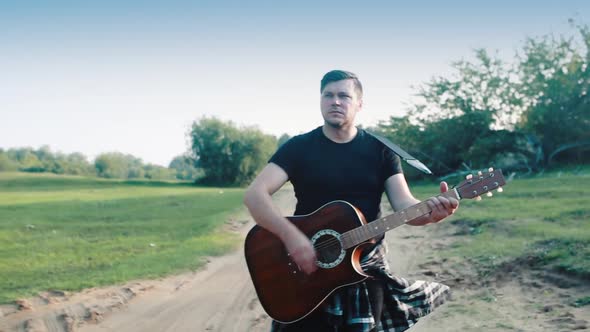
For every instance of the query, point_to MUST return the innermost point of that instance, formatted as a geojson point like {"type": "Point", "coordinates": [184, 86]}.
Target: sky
{"type": "Point", "coordinates": [132, 76]}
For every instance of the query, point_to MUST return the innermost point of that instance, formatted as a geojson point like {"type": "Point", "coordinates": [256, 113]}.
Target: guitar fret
{"type": "Point", "coordinates": [382, 225]}
{"type": "Point", "coordinates": [357, 236]}
{"type": "Point", "coordinates": [367, 234]}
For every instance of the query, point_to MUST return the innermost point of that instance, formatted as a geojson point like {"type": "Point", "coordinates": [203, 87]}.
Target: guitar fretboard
{"type": "Point", "coordinates": [380, 226]}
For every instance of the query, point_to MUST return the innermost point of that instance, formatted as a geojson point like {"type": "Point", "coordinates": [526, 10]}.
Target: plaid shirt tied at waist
{"type": "Point", "coordinates": [405, 301]}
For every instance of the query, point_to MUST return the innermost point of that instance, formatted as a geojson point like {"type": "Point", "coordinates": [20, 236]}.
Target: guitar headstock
{"type": "Point", "coordinates": [482, 183]}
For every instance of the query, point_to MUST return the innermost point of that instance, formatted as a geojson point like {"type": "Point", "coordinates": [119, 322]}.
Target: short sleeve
{"type": "Point", "coordinates": [286, 157]}
{"type": "Point", "coordinates": [391, 163]}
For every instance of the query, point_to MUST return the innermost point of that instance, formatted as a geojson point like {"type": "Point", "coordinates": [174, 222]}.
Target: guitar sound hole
{"type": "Point", "coordinates": [328, 250]}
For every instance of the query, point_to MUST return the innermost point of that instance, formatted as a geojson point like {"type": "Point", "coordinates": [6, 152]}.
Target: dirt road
{"type": "Point", "coordinates": [221, 298]}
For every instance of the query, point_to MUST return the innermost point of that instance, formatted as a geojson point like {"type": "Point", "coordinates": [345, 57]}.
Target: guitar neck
{"type": "Point", "coordinates": [382, 225]}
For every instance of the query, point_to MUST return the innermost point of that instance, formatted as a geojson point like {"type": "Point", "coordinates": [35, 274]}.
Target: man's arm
{"type": "Point", "coordinates": [400, 197]}
{"type": "Point", "coordinates": [265, 213]}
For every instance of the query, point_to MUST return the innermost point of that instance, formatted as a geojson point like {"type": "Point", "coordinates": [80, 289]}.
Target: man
{"type": "Point", "coordinates": [338, 161]}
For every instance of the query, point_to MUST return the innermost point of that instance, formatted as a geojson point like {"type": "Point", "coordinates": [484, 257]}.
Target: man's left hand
{"type": "Point", "coordinates": [442, 207]}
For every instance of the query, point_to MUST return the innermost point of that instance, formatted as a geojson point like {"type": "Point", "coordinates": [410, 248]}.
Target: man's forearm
{"type": "Point", "coordinates": [266, 214]}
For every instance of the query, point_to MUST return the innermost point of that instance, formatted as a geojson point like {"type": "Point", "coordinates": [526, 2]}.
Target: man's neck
{"type": "Point", "coordinates": [340, 135]}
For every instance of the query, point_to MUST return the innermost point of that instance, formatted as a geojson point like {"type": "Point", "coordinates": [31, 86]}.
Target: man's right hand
{"type": "Point", "coordinates": [301, 250]}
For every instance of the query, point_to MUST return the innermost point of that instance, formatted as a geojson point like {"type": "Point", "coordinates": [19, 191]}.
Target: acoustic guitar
{"type": "Point", "coordinates": [339, 232]}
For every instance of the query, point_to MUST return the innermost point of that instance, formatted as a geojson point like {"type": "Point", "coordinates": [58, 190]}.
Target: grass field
{"type": "Point", "coordinates": [68, 233]}
{"type": "Point", "coordinates": [540, 220]}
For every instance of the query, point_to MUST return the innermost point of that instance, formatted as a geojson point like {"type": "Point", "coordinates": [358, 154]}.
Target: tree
{"type": "Point", "coordinates": [7, 164]}
{"type": "Point", "coordinates": [254, 150]}
{"type": "Point", "coordinates": [77, 164]}
{"type": "Point", "coordinates": [229, 155]}
{"type": "Point", "coordinates": [442, 145]}
{"type": "Point", "coordinates": [486, 85]}
{"type": "Point", "coordinates": [115, 165]}
{"type": "Point", "coordinates": [494, 110]}
{"type": "Point", "coordinates": [185, 169]}
{"type": "Point", "coordinates": [556, 78]}
{"type": "Point", "coordinates": [28, 161]}
{"type": "Point", "coordinates": [155, 172]}
{"type": "Point", "coordinates": [213, 145]}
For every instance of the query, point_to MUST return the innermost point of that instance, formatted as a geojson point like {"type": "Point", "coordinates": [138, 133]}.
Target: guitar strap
{"type": "Point", "coordinates": [402, 154]}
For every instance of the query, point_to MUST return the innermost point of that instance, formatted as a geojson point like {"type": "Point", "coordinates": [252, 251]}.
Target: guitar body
{"type": "Point", "coordinates": [286, 293]}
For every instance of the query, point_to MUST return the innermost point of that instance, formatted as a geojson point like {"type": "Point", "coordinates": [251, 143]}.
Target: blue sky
{"type": "Point", "coordinates": [132, 76]}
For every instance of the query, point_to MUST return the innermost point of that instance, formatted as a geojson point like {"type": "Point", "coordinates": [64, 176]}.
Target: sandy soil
{"type": "Point", "coordinates": [220, 297]}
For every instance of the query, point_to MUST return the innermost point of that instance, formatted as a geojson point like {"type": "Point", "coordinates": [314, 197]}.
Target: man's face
{"type": "Point", "coordinates": [340, 103]}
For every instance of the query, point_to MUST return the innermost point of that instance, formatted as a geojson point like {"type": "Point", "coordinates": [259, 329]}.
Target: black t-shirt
{"type": "Point", "coordinates": [322, 171]}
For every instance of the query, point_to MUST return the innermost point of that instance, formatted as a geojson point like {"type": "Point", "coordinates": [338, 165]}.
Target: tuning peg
{"type": "Point", "coordinates": [478, 198]}
{"type": "Point", "coordinates": [500, 189]}
{"type": "Point", "coordinates": [491, 169]}
{"type": "Point", "coordinates": [479, 173]}
{"type": "Point", "coordinates": [489, 194]}
{"type": "Point", "coordinates": [469, 176]}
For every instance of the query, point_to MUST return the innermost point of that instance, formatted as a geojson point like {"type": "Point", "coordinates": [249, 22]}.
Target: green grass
{"type": "Point", "coordinates": [543, 220]}
{"type": "Point", "coordinates": [68, 233]}
{"type": "Point", "coordinates": [583, 301]}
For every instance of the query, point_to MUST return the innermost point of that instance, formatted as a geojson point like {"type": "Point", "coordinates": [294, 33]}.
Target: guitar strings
{"type": "Point", "coordinates": [335, 242]}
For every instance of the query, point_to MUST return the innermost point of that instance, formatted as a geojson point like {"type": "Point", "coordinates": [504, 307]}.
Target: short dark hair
{"type": "Point", "coordinates": [339, 75]}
